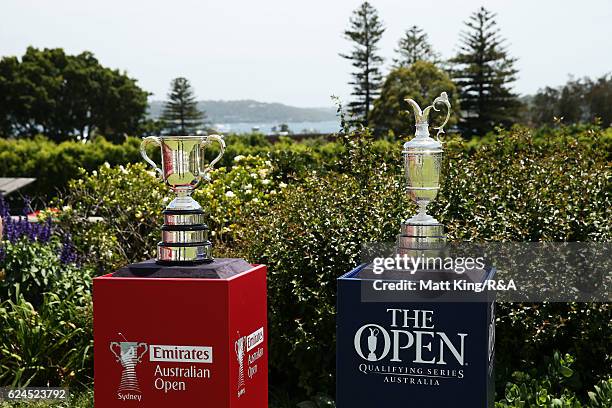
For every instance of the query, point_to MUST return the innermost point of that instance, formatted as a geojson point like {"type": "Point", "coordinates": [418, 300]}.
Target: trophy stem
{"type": "Point", "coordinates": [423, 209]}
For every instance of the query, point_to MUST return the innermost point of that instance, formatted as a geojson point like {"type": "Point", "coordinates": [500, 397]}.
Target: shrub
{"type": "Point", "coordinates": [45, 315]}
{"type": "Point", "coordinates": [51, 344]}
{"type": "Point", "coordinates": [553, 388]}
{"type": "Point", "coordinates": [53, 164]}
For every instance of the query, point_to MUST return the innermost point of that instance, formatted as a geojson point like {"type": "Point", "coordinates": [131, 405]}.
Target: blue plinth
{"type": "Point", "coordinates": [414, 353]}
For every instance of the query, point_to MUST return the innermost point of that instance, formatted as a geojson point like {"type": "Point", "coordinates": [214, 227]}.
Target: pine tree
{"type": "Point", "coordinates": [483, 71]}
{"type": "Point", "coordinates": [365, 32]}
{"type": "Point", "coordinates": [181, 113]}
{"type": "Point", "coordinates": [413, 47]}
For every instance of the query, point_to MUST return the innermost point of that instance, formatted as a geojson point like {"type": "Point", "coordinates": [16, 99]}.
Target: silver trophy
{"type": "Point", "coordinates": [372, 343]}
{"type": "Point", "coordinates": [422, 233]}
{"type": "Point", "coordinates": [127, 355]}
{"type": "Point", "coordinates": [184, 233]}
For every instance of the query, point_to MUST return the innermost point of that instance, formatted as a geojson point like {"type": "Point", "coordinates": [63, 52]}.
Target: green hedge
{"type": "Point", "coordinates": [53, 165]}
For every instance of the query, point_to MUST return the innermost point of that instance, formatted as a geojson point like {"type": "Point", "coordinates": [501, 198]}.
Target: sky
{"type": "Point", "coordinates": [287, 51]}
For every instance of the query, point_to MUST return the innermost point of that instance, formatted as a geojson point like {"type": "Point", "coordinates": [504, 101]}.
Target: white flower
{"type": "Point", "coordinates": [248, 186]}
{"type": "Point", "coordinates": [230, 194]}
{"type": "Point", "coordinates": [255, 200]}
{"type": "Point", "coordinates": [122, 169]}
{"type": "Point", "coordinates": [282, 185]}
{"type": "Point", "coordinates": [254, 175]}
{"type": "Point", "coordinates": [238, 158]}
{"type": "Point", "coordinates": [268, 163]}
{"type": "Point", "coordinates": [107, 165]}
{"type": "Point", "coordinates": [66, 208]}
{"type": "Point", "coordinates": [265, 182]}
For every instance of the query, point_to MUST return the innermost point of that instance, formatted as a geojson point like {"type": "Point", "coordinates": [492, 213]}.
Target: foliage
{"type": "Point", "coordinates": [50, 344]}
{"type": "Point", "coordinates": [553, 389]}
{"type": "Point", "coordinates": [532, 330]}
{"type": "Point", "coordinates": [413, 47]}
{"type": "Point", "coordinates": [579, 100]}
{"type": "Point", "coordinates": [54, 164]}
{"type": "Point", "coordinates": [559, 189]}
{"type": "Point", "coordinates": [483, 72]}
{"type": "Point", "coordinates": [45, 314]}
{"type": "Point", "coordinates": [421, 81]}
{"type": "Point", "coordinates": [67, 97]}
{"type": "Point", "coordinates": [181, 114]}
{"type": "Point", "coordinates": [365, 32]}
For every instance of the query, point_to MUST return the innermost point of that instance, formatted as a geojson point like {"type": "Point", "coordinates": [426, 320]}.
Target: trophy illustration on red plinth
{"type": "Point", "coordinates": [128, 357]}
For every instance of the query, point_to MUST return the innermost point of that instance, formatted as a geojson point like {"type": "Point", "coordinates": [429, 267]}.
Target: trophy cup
{"type": "Point", "coordinates": [184, 233]}
{"type": "Point", "coordinates": [128, 357]}
{"type": "Point", "coordinates": [422, 161]}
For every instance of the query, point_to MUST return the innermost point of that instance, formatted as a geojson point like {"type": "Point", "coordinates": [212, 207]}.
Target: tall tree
{"type": "Point", "coordinates": [181, 113]}
{"type": "Point", "coordinates": [579, 100]}
{"type": "Point", "coordinates": [365, 32]}
{"type": "Point", "coordinates": [67, 96]}
{"type": "Point", "coordinates": [484, 72]}
{"type": "Point", "coordinates": [421, 81]}
{"type": "Point", "coordinates": [414, 46]}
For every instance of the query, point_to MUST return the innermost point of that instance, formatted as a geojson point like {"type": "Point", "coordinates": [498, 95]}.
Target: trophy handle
{"type": "Point", "coordinates": [115, 344]}
{"type": "Point", "coordinates": [146, 348]}
{"type": "Point", "coordinates": [206, 141]}
{"type": "Point", "coordinates": [443, 98]}
{"type": "Point", "coordinates": [143, 152]}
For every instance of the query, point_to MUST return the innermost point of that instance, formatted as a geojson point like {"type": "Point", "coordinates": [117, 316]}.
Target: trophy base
{"type": "Point", "coordinates": [183, 253]}
{"type": "Point", "coordinates": [417, 240]}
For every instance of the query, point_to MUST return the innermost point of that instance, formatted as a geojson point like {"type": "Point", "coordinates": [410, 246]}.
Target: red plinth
{"type": "Point", "coordinates": [164, 342]}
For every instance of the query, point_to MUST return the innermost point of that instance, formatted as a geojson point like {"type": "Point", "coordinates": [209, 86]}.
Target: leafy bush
{"type": "Point", "coordinates": [45, 307]}
{"type": "Point", "coordinates": [51, 344]}
{"type": "Point", "coordinates": [532, 330]}
{"type": "Point", "coordinates": [553, 389]}
{"type": "Point", "coordinates": [53, 164]}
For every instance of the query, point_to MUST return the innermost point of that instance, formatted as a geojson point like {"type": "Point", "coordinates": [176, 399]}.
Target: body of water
{"type": "Point", "coordinates": [268, 128]}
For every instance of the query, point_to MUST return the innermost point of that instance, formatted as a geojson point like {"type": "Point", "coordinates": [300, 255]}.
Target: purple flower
{"type": "Point", "coordinates": [68, 254]}
{"type": "Point", "coordinates": [45, 231]}
{"type": "Point", "coordinates": [27, 206]}
{"type": "Point", "coordinates": [15, 229]}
